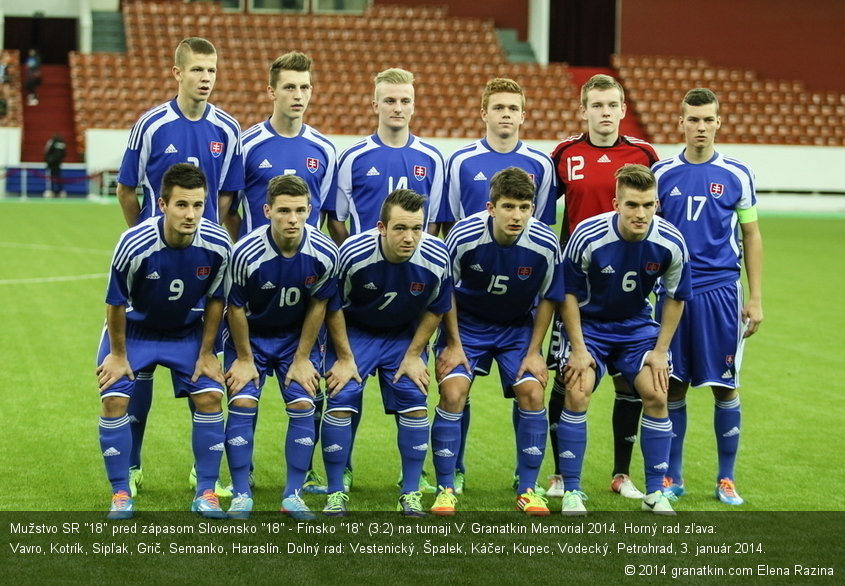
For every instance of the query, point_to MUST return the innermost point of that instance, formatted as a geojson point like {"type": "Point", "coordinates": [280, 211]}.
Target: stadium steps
{"type": "Point", "coordinates": [107, 32]}
{"type": "Point", "coordinates": [630, 124]}
{"type": "Point", "coordinates": [53, 114]}
{"type": "Point", "coordinates": [516, 51]}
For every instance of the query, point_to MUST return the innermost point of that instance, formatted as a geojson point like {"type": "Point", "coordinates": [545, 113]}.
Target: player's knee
{"type": "Point", "coordinates": [453, 394]}
{"type": "Point", "coordinates": [576, 400]}
{"type": "Point", "coordinates": [340, 413]}
{"type": "Point", "coordinates": [247, 402]}
{"type": "Point", "coordinates": [416, 413]}
{"type": "Point", "coordinates": [300, 405]}
{"type": "Point", "coordinates": [114, 406]}
{"type": "Point", "coordinates": [529, 395]}
{"type": "Point", "coordinates": [724, 393]}
{"type": "Point", "coordinates": [207, 401]}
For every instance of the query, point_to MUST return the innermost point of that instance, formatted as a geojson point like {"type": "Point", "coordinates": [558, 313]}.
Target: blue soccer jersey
{"type": "Point", "coordinates": [163, 137]}
{"type": "Point", "coordinates": [612, 277]}
{"type": "Point", "coordinates": [498, 283]}
{"type": "Point", "coordinates": [274, 290]}
{"type": "Point", "coordinates": [164, 288]}
{"type": "Point", "coordinates": [267, 154]}
{"type": "Point", "coordinates": [469, 172]}
{"type": "Point", "coordinates": [702, 201]}
{"type": "Point", "coordinates": [369, 171]}
{"type": "Point", "coordinates": [378, 295]}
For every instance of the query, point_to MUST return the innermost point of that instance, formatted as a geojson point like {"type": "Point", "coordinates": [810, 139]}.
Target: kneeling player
{"type": "Point", "coordinates": [503, 262]}
{"type": "Point", "coordinates": [612, 262]}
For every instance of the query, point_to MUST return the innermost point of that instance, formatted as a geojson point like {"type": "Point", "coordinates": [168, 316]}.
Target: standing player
{"type": "Point", "coordinates": [612, 262]}
{"type": "Point", "coordinates": [390, 159]}
{"type": "Point", "coordinates": [284, 144]}
{"type": "Point", "coordinates": [468, 187]}
{"type": "Point", "coordinates": [279, 281]}
{"type": "Point", "coordinates": [395, 285]}
{"type": "Point", "coordinates": [470, 168]}
{"type": "Point", "coordinates": [185, 129]}
{"type": "Point", "coordinates": [163, 306]}
{"type": "Point", "coordinates": [503, 261]}
{"type": "Point", "coordinates": [585, 165]}
{"type": "Point", "coordinates": [706, 194]}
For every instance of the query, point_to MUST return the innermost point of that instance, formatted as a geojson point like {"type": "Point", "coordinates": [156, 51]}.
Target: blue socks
{"type": "Point", "coordinates": [115, 444]}
{"type": "Point", "coordinates": [531, 446]}
{"type": "Point", "coordinates": [446, 436]}
{"type": "Point", "coordinates": [240, 434]}
{"type": "Point", "coordinates": [208, 439]}
{"type": "Point", "coordinates": [727, 424]}
{"type": "Point", "coordinates": [572, 443]}
{"type": "Point", "coordinates": [412, 438]}
{"type": "Point", "coordinates": [337, 439]}
{"type": "Point", "coordinates": [655, 441]}
{"type": "Point", "coordinates": [299, 447]}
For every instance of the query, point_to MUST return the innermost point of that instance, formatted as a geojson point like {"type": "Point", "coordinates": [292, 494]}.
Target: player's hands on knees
{"type": "Point", "coordinates": [752, 317]}
{"type": "Point", "coordinates": [658, 362]}
{"type": "Point", "coordinates": [303, 372]}
{"type": "Point", "coordinates": [112, 369]}
{"type": "Point", "coordinates": [450, 358]}
{"type": "Point", "coordinates": [415, 369]}
{"type": "Point", "coordinates": [341, 372]}
{"type": "Point", "coordinates": [208, 365]}
{"type": "Point", "coordinates": [578, 363]}
{"type": "Point", "coordinates": [239, 374]}
{"type": "Point", "coordinates": [534, 364]}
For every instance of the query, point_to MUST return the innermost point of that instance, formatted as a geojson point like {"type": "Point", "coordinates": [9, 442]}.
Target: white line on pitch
{"type": "Point", "coordinates": [53, 247]}
{"type": "Point", "coordinates": [52, 279]}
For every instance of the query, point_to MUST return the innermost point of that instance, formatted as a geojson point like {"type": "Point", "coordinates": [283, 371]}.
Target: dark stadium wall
{"type": "Point", "coordinates": [506, 13]}
{"type": "Point", "coordinates": [780, 39]}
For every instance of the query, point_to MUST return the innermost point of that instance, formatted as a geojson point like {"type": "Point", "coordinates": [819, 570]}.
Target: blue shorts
{"type": "Point", "coordinates": [273, 355]}
{"type": "Point", "coordinates": [616, 346]}
{"type": "Point", "coordinates": [707, 347]}
{"type": "Point", "coordinates": [380, 352]}
{"type": "Point", "coordinates": [485, 341]}
{"type": "Point", "coordinates": [147, 348]}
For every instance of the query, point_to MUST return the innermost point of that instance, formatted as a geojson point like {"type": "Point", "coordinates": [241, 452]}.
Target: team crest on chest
{"type": "Point", "coordinates": [417, 288]}
{"type": "Point", "coordinates": [310, 280]}
{"type": "Point", "coordinates": [716, 190]}
{"type": "Point", "coordinates": [523, 272]}
{"type": "Point", "coordinates": [420, 172]}
{"type": "Point", "coordinates": [652, 267]}
{"type": "Point", "coordinates": [203, 272]}
{"type": "Point", "coordinates": [312, 164]}
{"type": "Point", "coordinates": [216, 148]}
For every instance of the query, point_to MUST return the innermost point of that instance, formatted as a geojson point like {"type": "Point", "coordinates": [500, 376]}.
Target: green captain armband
{"type": "Point", "coordinates": [748, 215]}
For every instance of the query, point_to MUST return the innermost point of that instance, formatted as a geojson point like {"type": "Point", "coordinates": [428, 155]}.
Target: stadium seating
{"type": "Point", "coordinates": [11, 91]}
{"type": "Point", "coordinates": [452, 59]}
{"type": "Point", "coordinates": [757, 111]}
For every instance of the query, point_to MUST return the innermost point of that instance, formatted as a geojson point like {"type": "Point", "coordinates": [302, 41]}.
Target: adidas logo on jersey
{"type": "Point", "coordinates": [533, 451]}
{"type": "Point", "coordinates": [170, 150]}
{"type": "Point", "coordinates": [268, 285]}
{"type": "Point", "coordinates": [603, 159]}
{"type": "Point", "coordinates": [111, 452]}
{"type": "Point", "coordinates": [237, 441]}
{"type": "Point", "coordinates": [608, 270]}
{"type": "Point", "coordinates": [479, 177]}
{"type": "Point", "coordinates": [476, 267]}
{"type": "Point", "coordinates": [304, 441]}
{"type": "Point", "coordinates": [675, 191]}
{"type": "Point", "coordinates": [153, 275]}
{"type": "Point", "coordinates": [727, 374]}
{"type": "Point", "coordinates": [662, 466]}
{"type": "Point", "coordinates": [567, 454]}
{"type": "Point", "coordinates": [371, 286]}
{"type": "Point", "coordinates": [731, 432]}
{"type": "Point", "coordinates": [420, 448]}
{"type": "Point", "coordinates": [373, 172]}
{"type": "Point", "coordinates": [265, 164]}
{"type": "Point", "coordinates": [332, 448]}
{"type": "Point", "coordinates": [444, 453]}
{"type": "Point", "coordinates": [217, 447]}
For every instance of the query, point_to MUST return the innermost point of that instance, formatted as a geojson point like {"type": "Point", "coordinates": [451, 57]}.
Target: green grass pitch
{"type": "Point", "coordinates": [54, 258]}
